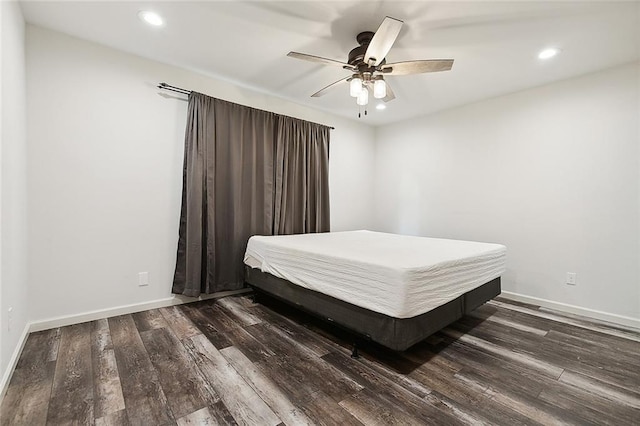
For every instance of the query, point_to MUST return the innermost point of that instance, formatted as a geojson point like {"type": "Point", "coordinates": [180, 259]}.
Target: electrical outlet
{"type": "Point", "coordinates": [571, 278]}
{"type": "Point", "coordinates": [9, 319]}
{"type": "Point", "coordinates": [143, 279]}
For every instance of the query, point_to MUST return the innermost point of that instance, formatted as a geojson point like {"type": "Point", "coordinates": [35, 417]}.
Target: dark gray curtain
{"type": "Point", "coordinates": [302, 177]}
{"type": "Point", "coordinates": [246, 172]}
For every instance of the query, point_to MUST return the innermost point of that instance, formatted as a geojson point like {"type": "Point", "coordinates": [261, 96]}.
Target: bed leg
{"type": "Point", "coordinates": [254, 297]}
{"type": "Point", "coordinates": [354, 353]}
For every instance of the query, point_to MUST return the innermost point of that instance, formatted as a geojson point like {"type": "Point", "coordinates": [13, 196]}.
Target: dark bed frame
{"type": "Point", "coordinates": [395, 333]}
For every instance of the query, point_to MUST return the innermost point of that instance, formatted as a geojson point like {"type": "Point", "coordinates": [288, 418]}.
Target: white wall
{"type": "Point", "coordinates": [550, 172]}
{"type": "Point", "coordinates": [13, 178]}
{"type": "Point", "coordinates": [105, 171]}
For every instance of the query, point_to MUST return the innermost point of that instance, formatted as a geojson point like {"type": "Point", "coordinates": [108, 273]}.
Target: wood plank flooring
{"type": "Point", "coordinates": [233, 361]}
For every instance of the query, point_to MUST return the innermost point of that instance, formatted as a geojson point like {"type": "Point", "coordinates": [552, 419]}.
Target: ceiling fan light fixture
{"type": "Point", "coordinates": [379, 88]}
{"type": "Point", "coordinates": [363, 97]}
{"type": "Point", "coordinates": [355, 86]}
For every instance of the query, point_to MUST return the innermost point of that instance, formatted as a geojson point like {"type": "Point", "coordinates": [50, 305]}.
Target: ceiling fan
{"type": "Point", "coordinates": [368, 65]}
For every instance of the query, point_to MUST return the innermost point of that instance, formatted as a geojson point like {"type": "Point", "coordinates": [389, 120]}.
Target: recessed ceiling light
{"type": "Point", "coordinates": [381, 106]}
{"type": "Point", "coordinates": [548, 53]}
{"type": "Point", "coordinates": [151, 18]}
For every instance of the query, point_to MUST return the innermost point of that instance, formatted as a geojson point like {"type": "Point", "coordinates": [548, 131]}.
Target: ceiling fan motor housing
{"type": "Point", "coordinates": [356, 56]}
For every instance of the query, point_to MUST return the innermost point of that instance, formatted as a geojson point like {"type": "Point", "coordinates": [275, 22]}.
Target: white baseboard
{"type": "Point", "coordinates": [124, 309]}
{"type": "Point", "coordinates": [572, 309]}
{"type": "Point", "coordinates": [13, 361]}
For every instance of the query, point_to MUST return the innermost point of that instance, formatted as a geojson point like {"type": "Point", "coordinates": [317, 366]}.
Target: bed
{"type": "Point", "coordinates": [393, 289]}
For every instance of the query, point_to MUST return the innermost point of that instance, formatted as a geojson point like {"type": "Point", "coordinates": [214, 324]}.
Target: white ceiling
{"type": "Point", "coordinates": [494, 44]}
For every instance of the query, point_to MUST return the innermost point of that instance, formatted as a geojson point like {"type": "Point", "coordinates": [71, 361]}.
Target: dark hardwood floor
{"type": "Point", "coordinates": [232, 361]}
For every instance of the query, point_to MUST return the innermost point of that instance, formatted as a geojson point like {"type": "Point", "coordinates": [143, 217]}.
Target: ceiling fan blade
{"type": "Point", "coordinates": [382, 40]}
{"type": "Point", "coordinates": [324, 90]}
{"type": "Point", "coordinates": [417, 67]}
{"type": "Point", "coordinates": [390, 95]}
{"type": "Point", "coordinates": [319, 60]}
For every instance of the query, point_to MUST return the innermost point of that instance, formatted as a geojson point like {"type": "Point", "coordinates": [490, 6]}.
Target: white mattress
{"type": "Point", "coordinates": [396, 275]}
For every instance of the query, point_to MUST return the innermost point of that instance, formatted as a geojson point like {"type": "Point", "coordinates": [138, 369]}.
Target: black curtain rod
{"type": "Point", "coordinates": [165, 86]}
